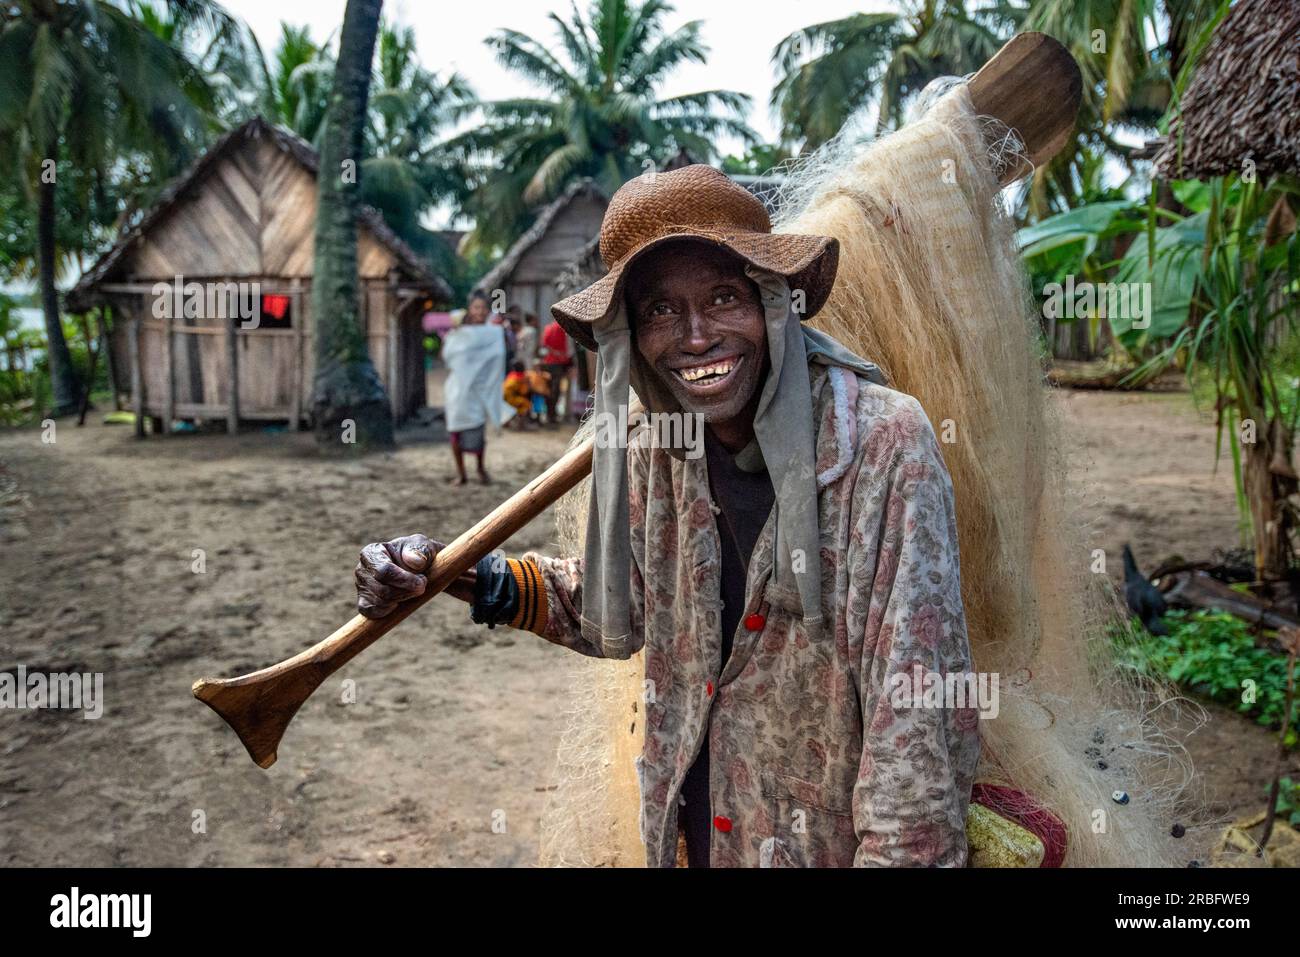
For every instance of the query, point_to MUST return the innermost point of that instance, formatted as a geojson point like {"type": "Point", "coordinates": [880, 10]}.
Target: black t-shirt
{"type": "Point", "coordinates": [744, 500]}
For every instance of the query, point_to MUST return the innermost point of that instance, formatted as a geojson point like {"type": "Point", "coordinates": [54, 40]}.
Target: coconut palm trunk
{"type": "Point", "coordinates": [65, 388]}
{"type": "Point", "coordinates": [349, 406]}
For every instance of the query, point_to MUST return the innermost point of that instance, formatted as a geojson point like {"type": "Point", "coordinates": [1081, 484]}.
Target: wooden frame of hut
{"type": "Point", "coordinates": [211, 290]}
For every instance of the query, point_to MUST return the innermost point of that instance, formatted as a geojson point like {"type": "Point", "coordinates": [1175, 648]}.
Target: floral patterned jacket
{"type": "Point", "coordinates": [813, 762]}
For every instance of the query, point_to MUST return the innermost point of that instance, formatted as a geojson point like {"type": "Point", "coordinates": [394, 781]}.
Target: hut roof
{"type": "Point", "coordinates": [1244, 99]}
{"type": "Point", "coordinates": [588, 267]}
{"type": "Point", "coordinates": [184, 184]}
{"type": "Point", "coordinates": [495, 277]}
{"type": "Point", "coordinates": [583, 271]}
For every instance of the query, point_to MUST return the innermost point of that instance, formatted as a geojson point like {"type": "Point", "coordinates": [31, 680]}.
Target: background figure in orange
{"type": "Point", "coordinates": [517, 393]}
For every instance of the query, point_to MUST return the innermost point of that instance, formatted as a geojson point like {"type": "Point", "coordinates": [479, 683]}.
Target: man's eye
{"type": "Point", "coordinates": [662, 309]}
{"type": "Point", "coordinates": [723, 298]}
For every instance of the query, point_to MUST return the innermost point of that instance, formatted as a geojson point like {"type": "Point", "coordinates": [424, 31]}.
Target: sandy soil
{"type": "Point", "coordinates": [453, 727]}
{"type": "Point", "coordinates": [1147, 460]}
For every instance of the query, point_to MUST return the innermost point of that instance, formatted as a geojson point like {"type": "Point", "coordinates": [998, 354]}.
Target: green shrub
{"type": "Point", "coordinates": [1213, 655]}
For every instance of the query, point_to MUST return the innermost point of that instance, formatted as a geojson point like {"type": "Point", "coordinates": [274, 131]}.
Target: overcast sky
{"type": "Point", "coordinates": [740, 34]}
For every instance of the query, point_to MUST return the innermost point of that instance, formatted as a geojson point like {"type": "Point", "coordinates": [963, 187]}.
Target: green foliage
{"type": "Point", "coordinates": [300, 76]}
{"type": "Point", "coordinates": [599, 114]}
{"type": "Point", "coordinates": [1214, 655]}
{"type": "Point", "coordinates": [760, 158]}
{"type": "Point", "coordinates": [1083, 227]}
{"type": "Point", "coordinates": [828, 71]}
{"type": "Point", "coordinates": [1170, 265]}
{"type": "Point", "coordinates": [407, 170]}
{"type": "Point", "coordinates": [1134, 56]}
{"type": "Point", "coordinates": [1288, 801]}
{"type": "Point", "coordinates": [25, 388]}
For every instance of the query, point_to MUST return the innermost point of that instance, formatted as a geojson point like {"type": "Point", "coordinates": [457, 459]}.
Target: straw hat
{"type": "Point", "coordinates": [694, 202]}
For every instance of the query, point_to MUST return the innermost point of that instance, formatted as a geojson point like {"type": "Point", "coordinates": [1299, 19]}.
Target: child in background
{"type": "Point", "coordinates": [539, 384]}
{"type": "Point", "coordinates": [518, 394]}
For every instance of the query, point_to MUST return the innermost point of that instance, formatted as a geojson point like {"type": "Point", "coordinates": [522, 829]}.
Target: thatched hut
{"type": "Point", "coordinates": [211, 290]}
{"type": "Point", "coordinates": [1243, 103]}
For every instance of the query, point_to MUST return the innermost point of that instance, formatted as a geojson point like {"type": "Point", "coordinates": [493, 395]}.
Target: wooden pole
{"type": "Point", "coordinates": [390, 341]}
{"type": "Point", "coordinates": [296, 318]}
{"type": "Point", "coordinates": [137, 377]}
{"type": "Point", "coordinates": [169, 373]}
{"type": "Point", "coordinates": [232, 363]}
{"type": "Point", "coordinates": [259, 706]}
{"type": "Point", "coordinates": [92, 362]}
{"type": "Point", "coordinates": [106, 346]}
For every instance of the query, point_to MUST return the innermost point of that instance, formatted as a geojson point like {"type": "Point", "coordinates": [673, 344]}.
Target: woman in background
{"type": "Point", "coordinates": [475, 353]}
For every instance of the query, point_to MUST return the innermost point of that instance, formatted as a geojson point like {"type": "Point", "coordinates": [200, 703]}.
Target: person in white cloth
{"type": "Point", "coordinates": [475, 354]}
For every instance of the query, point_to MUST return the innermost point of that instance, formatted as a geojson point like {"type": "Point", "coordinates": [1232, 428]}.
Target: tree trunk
{"type": "Point", "coordinates": [350, 410]}
{"type": "Point", "coordinates": [63, 375]}
{"type": "Point", "coordinates": [1269, 479]}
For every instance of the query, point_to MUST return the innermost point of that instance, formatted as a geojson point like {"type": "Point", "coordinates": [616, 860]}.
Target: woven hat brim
{"type": "Point", "coordinates": [807, 262]}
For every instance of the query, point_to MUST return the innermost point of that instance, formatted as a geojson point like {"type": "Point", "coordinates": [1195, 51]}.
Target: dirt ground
{"type": "Point", "coordinates": [453, 728]}
{"type": "Point", "coordinates": [1147, 461]}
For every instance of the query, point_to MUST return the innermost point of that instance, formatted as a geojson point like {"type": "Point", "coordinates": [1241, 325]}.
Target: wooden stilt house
{"type": "Point", "coordinates": [211, 290]}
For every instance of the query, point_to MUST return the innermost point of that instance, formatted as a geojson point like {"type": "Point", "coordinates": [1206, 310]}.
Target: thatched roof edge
{"type": "Point", "coordinates": [495, 277]}
{"type": "Point", "coordinates": [1243, 102]}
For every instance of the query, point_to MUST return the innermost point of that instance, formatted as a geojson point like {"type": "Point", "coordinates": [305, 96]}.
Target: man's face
{"type": "Point", "coordinates": [698, 322]}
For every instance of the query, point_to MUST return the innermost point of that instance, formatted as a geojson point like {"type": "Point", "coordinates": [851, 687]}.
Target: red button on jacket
{"type": "Point", "coordinates": [755, 622]}
{"type": "Point", "coordinates": [723, 824]}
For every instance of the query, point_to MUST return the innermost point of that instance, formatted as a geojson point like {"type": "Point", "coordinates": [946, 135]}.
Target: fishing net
{"type": "Point", "coordinates": [931, 288]}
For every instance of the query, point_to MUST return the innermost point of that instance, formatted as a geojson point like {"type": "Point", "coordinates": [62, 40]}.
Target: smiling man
{"type": "Point", "coordinates": [778, 583]}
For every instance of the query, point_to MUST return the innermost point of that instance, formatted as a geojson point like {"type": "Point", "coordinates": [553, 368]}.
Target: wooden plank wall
{"type": "Point", "coordinates": [275, 366]}
{"type": "Point", "coordinates": [532, 282]}
{"type": "Point", "coordinates": [253, 216]}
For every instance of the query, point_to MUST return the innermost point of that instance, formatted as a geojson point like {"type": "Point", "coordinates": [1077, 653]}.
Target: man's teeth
{"type": "Point", "coordinates": [704, 372]}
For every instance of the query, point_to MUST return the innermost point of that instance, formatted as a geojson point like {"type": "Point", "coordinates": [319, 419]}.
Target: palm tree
{"type": "Point", "coordinates": [300, 82]}
{"type": "Point", "coordinates": [1128, 83]}
{"type": "Point", "coordinates": [407, 168]}
{"type": "Point", "coordinates": [347, 389]}
{"type": "Point", "coordinates": [830, 70]}
{"type": "Point", "coordinates": [227, 56]}
{"type": "Point", "coordinates": [81, 82]}
{"type": "Point", "coordinates": [1125, 80]}
{"type": "Point", "coordinates": [599, 115]}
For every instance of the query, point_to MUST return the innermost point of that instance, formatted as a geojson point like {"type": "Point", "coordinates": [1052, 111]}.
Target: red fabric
{"type": "Point", "coordinates": [275, 306]}
{"type": "Point", "coordinates": [1019, 807]}
{"type": "Point", "coordinates": [555, 345]}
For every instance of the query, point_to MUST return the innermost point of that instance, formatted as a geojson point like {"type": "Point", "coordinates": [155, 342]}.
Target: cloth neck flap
{"type": "Point", "coordinates": [606, 586]}
{"type": "Point", "coordinates": [784, 443]}
{"type": "Point", "coordinates": [783, 429]}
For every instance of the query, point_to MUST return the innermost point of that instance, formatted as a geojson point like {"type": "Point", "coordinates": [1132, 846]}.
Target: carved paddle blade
{"type": "Point", "coordinates": [258, 707]}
